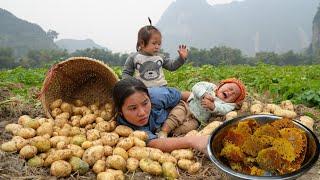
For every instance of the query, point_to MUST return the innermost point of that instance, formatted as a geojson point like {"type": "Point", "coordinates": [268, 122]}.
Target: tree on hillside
{"type": "Point", "coordinates": [6, 58]}
{"type": "Point", "coordinates": [52, 34]}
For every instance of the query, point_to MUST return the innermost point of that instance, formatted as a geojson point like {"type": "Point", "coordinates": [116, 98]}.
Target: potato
{"type": "Point", "coordinates": [54, 140]}
{"type": "Point", "coordinates": [231, 115]}
{"type": "Point", "coordinates": [65, 131]}
{"type": "Point", "coordinates": [20, 142]}
{"type": "Point", "coordinates": [170, 170]}
{"type": "Point", "coordinates": [287, 105]}
{"type": "Point", "coordinates": [78, 165]}
{"type": "Point", "coordinates": [99, 166]}
{"type": "Point", "coordinates": [60, 168]}
{"type": "Point", "coordinates": [111, 174]}
{"type": "Point", "coordinates": [55, 104]}
{"type": "Point", "coordinates": [113, 125]}
{"type": "Point", "coordinates": [271, 108]}
{"type": "Point", "coordinates": [92, 154]}
{"type": "Point", "coordinates": [76, 150]}
{"type": "Point", "coordinates": [86, 144]}
{"type": "Point", "coordinates": [74, 131]}
{"type": "Point", "coordinates": [166, 157]}
{"type": "Point", "coordinates": [185, 164]}
{"type": "Point", "coordinates": [285, 113]}
{"type": "Point", "coordinates": [209, 128]}
{"type": "Point", "coordinates": [61, 145]}
{"type": "Point", "coordinates": [26, 133]}
{"type": "Point", "coordinates": [307, 121]}
{"type": "Point", "coordinates": [77, 110]}
{"type": "Point", "coordinates": [22, 119]}
{"type": "Point", "coordinates": [192, 133]}
{"type": "Point", "coordinates": [124, 131]}
{"type": "Point", "coordinates": [140, 134]}
{"type": "Point", "coordinates": [64, 115]}
{"type": "Point", "coordinates": [138, 152]}
{"type": "Point", "coordinates": [182, 154]}
{"type": "Point", "coordinates": [86, 111]}
{"type": "Point", "coordinates": [45, 128]}
{"type": "Point", "coordinates": [106, 115]}
{"type": "Point", "coordinates": [121, 152]}
{"type": "Point", "coordinates": [55, 112]}
{"type": "Point", "coordinates": [66, 107]}
{"type": "Point", "coordinates": [78, 103]}
{"type": "Point", "coordinates": [31, 123]}
{"type": "Point", "coordinates": [256, 108]}
{"type": "Point", "coordinates": [93, 134]}
{"type": "Point", "coordinates": [28, 152]}
{"type": "Point", "coordinates": [87, 119]}
{"type": "Point", "coordinates": [103, 126]}
{"type": "Point", "coordinates": [132, 164]}
{"type": "Point", "coordinates": [151, 167]}
{"type": "Point", "coordinates": [9, 146]}
{"type": "Point", "coordinates": [42, 144]}
{"type": "Point", "coordinates": [97, 142]}
{"type": "Point", "coordinates": [107, 150]}
{"type": "Point", "coordinates": [154, 154]}
{"type": "Point", "coordinates": [244, 107]}
{"type": "Point", "coordinates": [13, 128]}
{"type": "Point", "coordinates": [116, 162]}
{"type": "Point", "coordinates": [110, 139]}
{"type": "Point", "coordinates": [126, 143]}
{"type": "Point", "coordinates": [93, 107]}
{"type": "Point", "coordinates": [56, 155]}
{"type": "Point", "coordinates": [194, 168]}
{"type": "Point", "coordinates": [139, 142]}
{"type": "Point", "coordinates": [88, 127]}
{"type": "Point", "coordinates": [36, 161]}
{"type": "Point", "coordinates": [60, 122]}
{"type": "Point", "coordinates": [78, 140]}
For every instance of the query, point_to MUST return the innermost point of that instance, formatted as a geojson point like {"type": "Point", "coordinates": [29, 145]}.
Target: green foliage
{"type": "Point", "coordinates": [6, 58]}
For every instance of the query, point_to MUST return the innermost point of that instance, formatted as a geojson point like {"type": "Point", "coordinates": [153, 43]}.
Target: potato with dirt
{"type": "Point", "coordinates": [170, 170]}
{"type": "Point", "coordinates": [194, 168]}
{"type": "Point", "coordinates": [139, 134]}
{"type": "Point", "coordinates": [54, 140]}
{"type": "Point", "coordinates": [110, 139]}
{"type": "Point", "coordinates": [28, 152]}
{"type": "Point", "coordinates": [121, 152]}
{"type": "Point", "coordinates": [55, 104]}
{"type": "Point", "coordinates": [9, 146]}
{"type": "Point", "coordinates": [42, 144]}
{"type": "Point", "coordinates": [123, 131]}
{"type": "Point", "coordinates": [13, 128]}
{"type": "Point", "coordinates": [78, 140]}
{"type": "Point", "coordinates": [87, 119]}
{"type": "Point", "coordinates": [60, 168]}
{"type": "Point", "coordinates": [45, 128]}
{"type": "Point", "coordinates": [20, 142]}
{"type": "Point", "coordinates": [166, 157]}
{"type": "Point", "coordinates": [78, 165]}
{"type": "Point", "coordinates": [36, 161]}
{"type": "Point", "coordinates": [132, 164]}
{"type": "Point", "coordinates": [182, 154]}
{"type": "Point", "coordinates": [116, 162]}
{"type": "Point", "coordinates": [99, 166]}
{"type": "Point", "coordinates": [76, 150]}
{"type": "Point", "coordinates": [26, 133]}
{"type": "Point", "coordinates": [63, 154]}
{"type": "Point", "coordinates": [185, 164]}
{"type": "Point", "coordinates": [92, 154]}
{"type": "Point", "coordinates": [150, 166]}
{"type": "Point", "coordinates": [93, 135]}
{"type": "Point", "coordinates": [126, 143]}
{"type": "Point", "coordinates": [111, 174]}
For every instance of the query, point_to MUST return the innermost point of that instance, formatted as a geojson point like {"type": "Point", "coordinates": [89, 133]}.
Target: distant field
{"type": "Point", "coordinates": [301, 84]}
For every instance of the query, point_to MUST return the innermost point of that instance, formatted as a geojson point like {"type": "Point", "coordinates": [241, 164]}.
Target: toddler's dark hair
{"type": "Point", "coordinates": [144, 35]}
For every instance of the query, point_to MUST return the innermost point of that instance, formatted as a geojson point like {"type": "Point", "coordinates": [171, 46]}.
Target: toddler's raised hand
{"type": "Point", "coordinates": [207, 103]}
{"type": "Point", "coordinates": [183, 52]}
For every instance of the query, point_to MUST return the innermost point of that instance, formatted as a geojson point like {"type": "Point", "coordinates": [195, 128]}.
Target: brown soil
{"type": "Point", "coordinates": [13, 167]}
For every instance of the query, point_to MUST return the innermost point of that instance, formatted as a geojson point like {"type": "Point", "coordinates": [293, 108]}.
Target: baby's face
{"type": "Point", "coordinates": [154, 44]}
{"type": "Point", "coordinates": [229, 92]}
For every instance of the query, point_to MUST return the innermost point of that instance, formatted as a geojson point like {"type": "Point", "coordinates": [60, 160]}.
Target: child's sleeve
{"type": "Point", "coordinates": [223, 108]}
{"type": "Point", "coordinates": [128, 68]}
{"type": "Point", "coordinates": [200, 88]}
{"type": "Point", "coordinates": [164, 97]}
{"type": "Point", "coordinates": [172, 65]}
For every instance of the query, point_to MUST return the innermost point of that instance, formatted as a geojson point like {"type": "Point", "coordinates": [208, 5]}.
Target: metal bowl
{"type": "Point", "coordinates": [215, 145]}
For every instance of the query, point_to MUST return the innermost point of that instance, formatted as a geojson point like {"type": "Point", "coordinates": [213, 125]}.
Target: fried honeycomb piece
{"type": "Point", "coordinates": [249, 161]}
{"type": "Point", "coordinates": [232, 153]}
{"type": "Point", "coordinates": [267, 130]}
{"type": "Point", "coordinates": [296, 137]}
{"type": "Point", "coordinates": [269, 159]}
{"type": "Point", "coordinates": [266, 140]}
{"type": "Point", "coordinates": [247, 126]}
{"type": "Point", "coordinates": [253, 145]}
{"type": "Point", "coordinates": [235, 137]}
{"type": "Point", "coordinates": [255, 171]}
{"type": "Point", "coordinates": [284, 148]}
{"type": "Point", "coordinates": [283, 123]}
{"type": "Point", "coordinates": [239, 167]}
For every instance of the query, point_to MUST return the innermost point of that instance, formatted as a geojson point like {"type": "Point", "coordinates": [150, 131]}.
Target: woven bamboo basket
{"type": "Point", "coordinates": [81, 78]}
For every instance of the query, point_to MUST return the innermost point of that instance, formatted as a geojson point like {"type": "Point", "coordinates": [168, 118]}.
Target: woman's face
{"type": "Point", "coordinates": [136, 108]}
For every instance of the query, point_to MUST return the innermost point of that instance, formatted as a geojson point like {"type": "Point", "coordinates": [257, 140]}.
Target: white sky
{"type": "Point", "coordinates": [111, 23]}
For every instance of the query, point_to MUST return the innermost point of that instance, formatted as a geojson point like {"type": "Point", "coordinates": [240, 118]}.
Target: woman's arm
{"type": "Point", "coordinates": [170, 144]}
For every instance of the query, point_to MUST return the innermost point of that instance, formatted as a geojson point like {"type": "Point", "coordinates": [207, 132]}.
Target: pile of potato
{"type": "Point", "coordinates": [80, 138]}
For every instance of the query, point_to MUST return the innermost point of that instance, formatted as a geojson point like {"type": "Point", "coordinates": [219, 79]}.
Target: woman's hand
{"type": "Point", "coordinates": [183, 52]}
{"type": "Point", "coordinates": [200, 143]}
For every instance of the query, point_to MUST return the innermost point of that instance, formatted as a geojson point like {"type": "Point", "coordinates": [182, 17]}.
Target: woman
{"type": "Point", "coordinates": [146, 109]}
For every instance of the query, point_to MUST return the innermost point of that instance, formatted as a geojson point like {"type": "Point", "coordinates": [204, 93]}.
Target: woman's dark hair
{"type": "Point", "coordinates": [144, 35]}
{"type": "Point", "coordinates": [124, 88]}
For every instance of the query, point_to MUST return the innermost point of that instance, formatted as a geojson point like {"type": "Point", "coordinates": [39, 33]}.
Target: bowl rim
{"type": "Point", "coordinates": [233, 173]}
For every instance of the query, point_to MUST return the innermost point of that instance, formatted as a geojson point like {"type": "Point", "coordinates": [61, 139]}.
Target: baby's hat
{"type": "Point", "coordinates": [239, 84]}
